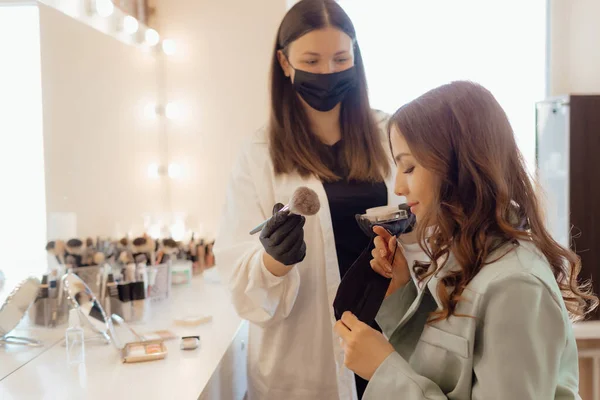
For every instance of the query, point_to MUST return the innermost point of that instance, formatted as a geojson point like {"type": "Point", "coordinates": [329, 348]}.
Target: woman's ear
{"type": "Point", "coordinates": [283, 61]}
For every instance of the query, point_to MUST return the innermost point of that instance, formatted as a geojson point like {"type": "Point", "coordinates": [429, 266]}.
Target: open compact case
{"type": "Point", "coordinates": [383, 214]}
{"type": "Point", "coordinates": [14, 309]}
{"type": "Point", "coordinates": [91, 312]}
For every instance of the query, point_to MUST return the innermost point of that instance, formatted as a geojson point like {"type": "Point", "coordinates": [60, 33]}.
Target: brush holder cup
{"type": "Point", "coordinates": [159, 281]}
{"type": "Point", "coordinates": [92, 277]}
{"type": "Point", "coordinates": [49, 312]}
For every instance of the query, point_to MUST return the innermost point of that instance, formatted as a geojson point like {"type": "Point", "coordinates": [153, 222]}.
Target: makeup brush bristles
{"type": "Point", "coordinates": [305, 202]}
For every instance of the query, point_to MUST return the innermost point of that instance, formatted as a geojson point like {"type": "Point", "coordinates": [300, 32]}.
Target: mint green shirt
{"type": "Point", "coordinates": [517, 344]}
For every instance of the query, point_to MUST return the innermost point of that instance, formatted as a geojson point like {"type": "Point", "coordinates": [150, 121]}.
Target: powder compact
{"type": "Point", "coordinates": [189, 342]}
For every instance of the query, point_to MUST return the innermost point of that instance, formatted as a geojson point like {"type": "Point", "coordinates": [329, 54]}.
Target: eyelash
{"type": "Point", "coordinates": [339, 60]}
{"type": "Point", "coordinates": [409, 170]}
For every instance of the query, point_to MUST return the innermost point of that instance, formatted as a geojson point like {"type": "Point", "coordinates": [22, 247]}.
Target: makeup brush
{"type": "Point", "coordinates": [142, 248]}
{"type": "Point", "coordinates": [170, 248]}
{"type": "Point", "coordinates": [57, 249]}
{"type": "Point", "coordinates": [304, 202]}
{"type": "Point", "coordinates": [99, 258]}
{"type": "Point", "coordinates": [123, 244]}
{"type": "Point", "coordinates": [89, 253]}
{"type": "Point", "coordinates": [76, 250]}
{"type": "Point", "coordinates": [125, 258]}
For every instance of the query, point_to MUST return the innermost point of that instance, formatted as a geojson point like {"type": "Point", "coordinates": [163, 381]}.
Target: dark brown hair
{"type": "Point", "coordinates": [293, 147]}
{"type": "Point", "coordinates": [486, 199]}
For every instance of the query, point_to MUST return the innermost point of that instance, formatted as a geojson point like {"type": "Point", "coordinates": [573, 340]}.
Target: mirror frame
{"type": "Point", "coordinates": [108, 333]}
{"type": "Point", "coordinates": [5, 337]}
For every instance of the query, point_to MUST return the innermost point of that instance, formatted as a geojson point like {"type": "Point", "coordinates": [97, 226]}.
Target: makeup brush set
{"type": "Point", "coordinates": [125, 275]}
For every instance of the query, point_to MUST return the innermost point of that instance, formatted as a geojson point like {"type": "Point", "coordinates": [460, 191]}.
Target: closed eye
{"type": "Point", "coordinates": [409, 170]}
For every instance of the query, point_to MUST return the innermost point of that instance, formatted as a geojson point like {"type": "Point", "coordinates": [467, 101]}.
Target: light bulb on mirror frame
{"type": "Point", "coordinates": [169, 47]}
{"type": "Point", "coordinates": [152, 37]}
{"type": "Point", "coordinates": [172, 110]}
{"type": "Point", "coordinates": [153, 171]}
{"type": "Point", "coordinates": [177, 230]}
{"type": "Point", "coordinates": [174, 171]}
{"type": "Point", "coordinates": [154, 230]}
{"type": "Point", "coordinates": [150, 111]}
{"type": "Point", "coordinates": [104, 8]}
{"type": "Point", "coordinates": [130, 25]}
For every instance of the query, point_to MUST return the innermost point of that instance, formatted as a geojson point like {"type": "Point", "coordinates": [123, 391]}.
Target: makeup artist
{"type": "Point", "coordinates": [322, 134]}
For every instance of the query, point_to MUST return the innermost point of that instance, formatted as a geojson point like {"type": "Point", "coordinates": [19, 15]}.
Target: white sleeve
{"type": "Point", "coordinates": [257, 294]}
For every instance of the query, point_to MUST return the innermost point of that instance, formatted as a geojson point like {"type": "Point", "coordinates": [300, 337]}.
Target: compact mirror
{"type": "Point", "coordinates": [13, 310]}
{"type": "Point", "coordinates": [83, 299]}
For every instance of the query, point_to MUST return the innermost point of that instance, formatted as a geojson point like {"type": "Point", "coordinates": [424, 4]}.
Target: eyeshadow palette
{"type": "Point", "coordinates": [144, 351]}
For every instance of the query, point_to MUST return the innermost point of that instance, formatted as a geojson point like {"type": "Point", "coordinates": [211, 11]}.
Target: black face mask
{"type": "Point", "coordinates": [324, 91]}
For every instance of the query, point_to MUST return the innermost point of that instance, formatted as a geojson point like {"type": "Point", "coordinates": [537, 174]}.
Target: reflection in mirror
{"type": "Point", "coordinates": [14, 309]}
{"type": "Point", "coordinates": [83, 299]}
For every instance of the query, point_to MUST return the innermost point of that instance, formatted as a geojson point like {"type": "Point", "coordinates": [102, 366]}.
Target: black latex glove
{"type": "Point", "coordinates": [283, 237]}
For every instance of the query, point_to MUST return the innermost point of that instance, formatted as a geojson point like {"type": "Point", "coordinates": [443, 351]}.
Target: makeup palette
{"type": "Point", "coordinates": [144, 351]}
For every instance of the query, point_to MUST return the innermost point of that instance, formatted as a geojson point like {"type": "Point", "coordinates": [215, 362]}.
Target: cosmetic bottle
{"type": "Point", "coordinates": [138, 303]}
{"type": "Point", "coordinates": [42, 306]}
{"type": "Point", "coordinates": [112, 304]}
{"type": "Point", "coordinates": [74, 339]}
{"type": "Point", "coordinates": [124, 291]}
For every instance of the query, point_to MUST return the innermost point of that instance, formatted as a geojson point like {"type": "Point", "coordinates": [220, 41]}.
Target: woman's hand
{"type": "Point", "coordinates": [383, 253]}
{"type": "Point", "coordinates": [364, 348]}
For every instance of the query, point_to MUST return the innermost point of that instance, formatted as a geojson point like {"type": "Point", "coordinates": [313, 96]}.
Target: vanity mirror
{"type": "Point", "coordinates": [14, 309]}
{"type": "Point", "coordinates": [83, 299]}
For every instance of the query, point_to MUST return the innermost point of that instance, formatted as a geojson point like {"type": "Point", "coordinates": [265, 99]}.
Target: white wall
{"type": "Point", "coordinates": [574, 46]}
{"type": "Point", "coordinates": [218, 77]}
{"type": "Point", "coordinates": [408, 50]}
{"type": "Point", "coordinates": [98, 142]}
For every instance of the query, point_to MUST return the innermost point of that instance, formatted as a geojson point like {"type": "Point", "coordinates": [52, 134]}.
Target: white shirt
{"type": "Point", "coordinates": [293, 353]}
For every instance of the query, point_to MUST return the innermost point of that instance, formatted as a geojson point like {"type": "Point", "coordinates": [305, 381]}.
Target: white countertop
{"type": "Point", "coordinates": [12, 356]}
{"type": "Point", "coordinates": [182, 375]}
{"type": "Point", "coordinates": [587, 330]}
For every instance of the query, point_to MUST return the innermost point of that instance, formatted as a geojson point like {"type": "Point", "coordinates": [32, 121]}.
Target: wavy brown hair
{"type": "Point", "coordinates": [486, 199]}
{"type": "Point", "coordinates": [293, 147]}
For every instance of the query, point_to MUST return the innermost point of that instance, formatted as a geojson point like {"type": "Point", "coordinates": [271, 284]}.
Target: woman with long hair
{"type": "Point", "coordinates": [322, 134]}
{"type": "Point", "coordinates": [486, 314]}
